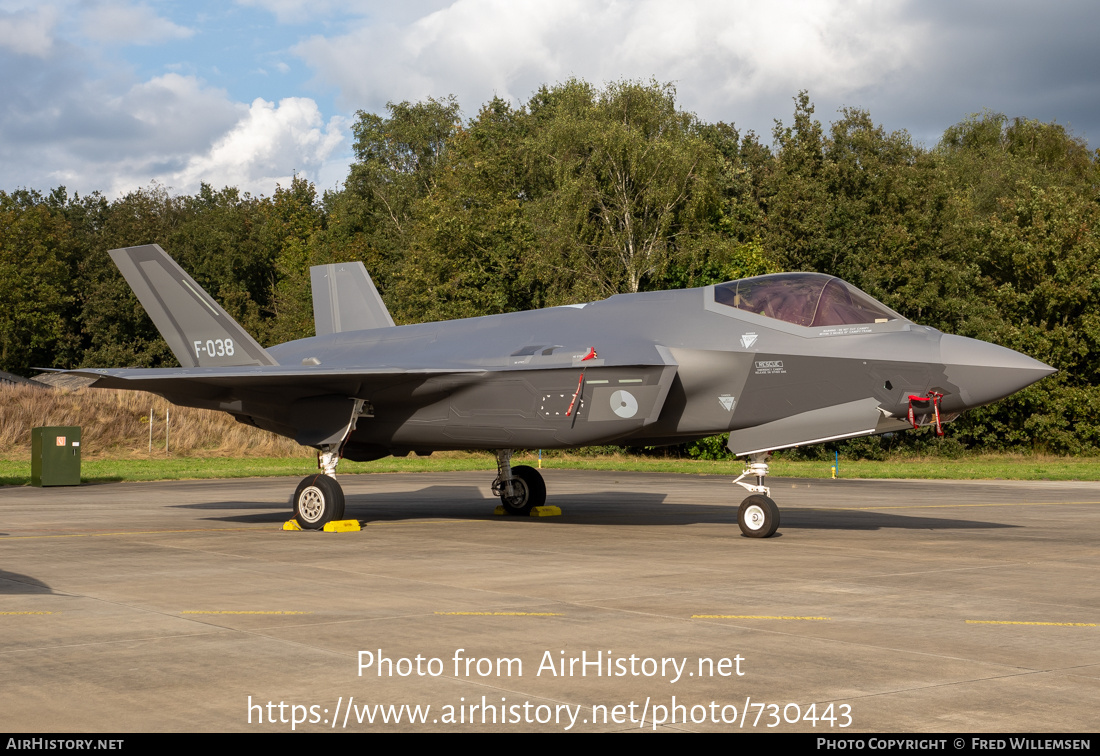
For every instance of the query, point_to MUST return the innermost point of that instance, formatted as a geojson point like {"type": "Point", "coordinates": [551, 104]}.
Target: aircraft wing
{"type": "Point", "coordinates": [314, 406]}
{"type": "Point", "coordinates": [319, 405]}
{"type": "Point", "coordinates": [308, 378]}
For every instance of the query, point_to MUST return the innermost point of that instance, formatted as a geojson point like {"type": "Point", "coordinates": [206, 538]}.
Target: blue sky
{"type": "Point", "coordinates": [114, 95]}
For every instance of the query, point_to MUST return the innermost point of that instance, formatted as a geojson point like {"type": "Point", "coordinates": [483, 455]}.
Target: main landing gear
{"type": "Point", "coordinates": [319, 498]}
{"type": "Point", "coordinates": [521, 488]}
{"type": "Point", "coordinates": [758, 516]}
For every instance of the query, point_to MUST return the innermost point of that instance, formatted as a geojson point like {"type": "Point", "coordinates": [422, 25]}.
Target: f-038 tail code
{"type": "Point", "coordinates": [214, 347]}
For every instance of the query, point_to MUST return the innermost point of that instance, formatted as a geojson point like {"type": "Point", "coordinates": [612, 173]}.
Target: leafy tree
{"type": "Point", "coordinates": [632, 184]}
{"type": "Point", "coordinates": [35, 247]}
{"type": "Point", "coordinates": [398, 162]}
{"type": "Point", "coordinates": [471, 246]}
{"type": "Point", "coordinates": [290, 222]}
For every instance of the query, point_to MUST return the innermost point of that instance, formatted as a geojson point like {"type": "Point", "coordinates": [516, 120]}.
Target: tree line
{"type": "Point", "coordinates": [583, 192]}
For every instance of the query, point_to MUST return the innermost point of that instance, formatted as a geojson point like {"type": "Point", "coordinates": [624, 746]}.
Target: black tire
{"type": "Point", "coordinates": [318, 500]}
{"type": "Point", "coordinates": [758, 517]}
{"type": "Point", "coordinates": [530, 491]}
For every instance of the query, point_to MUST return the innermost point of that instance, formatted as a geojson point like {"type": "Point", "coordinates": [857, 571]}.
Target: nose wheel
{"type": "Point", "coordinates": [758, 517]}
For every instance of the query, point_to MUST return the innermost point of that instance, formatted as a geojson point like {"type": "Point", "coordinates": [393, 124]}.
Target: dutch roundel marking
{"type": "Point", "coordinates": [624, 404]}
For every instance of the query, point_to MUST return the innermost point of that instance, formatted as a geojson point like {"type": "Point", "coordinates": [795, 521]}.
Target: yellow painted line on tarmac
{"type": "Point", "coordinates": [9, 614]}
{"type": "Point", "coordinates": [125, 532]}
{"type": "Point", "coordinates": [956, 506]}
{"type": "Point", "coordinates": [500, 614]}
{"type": "Point", "coordinates": [1012, 622]}
{"type": "Point", "coordinates": [756, 616]}
{"type": "Point", "coordinates": [242, 612]}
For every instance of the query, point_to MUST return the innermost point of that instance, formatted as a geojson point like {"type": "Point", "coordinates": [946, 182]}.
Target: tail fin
{"type": "Point", "coordinates": [198, 331]}
{"type": "Point", "coordinates": [344, 299]}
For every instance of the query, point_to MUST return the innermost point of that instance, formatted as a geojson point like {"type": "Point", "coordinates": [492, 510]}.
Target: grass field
{"type": "Point", "coordinates": [988, 467]}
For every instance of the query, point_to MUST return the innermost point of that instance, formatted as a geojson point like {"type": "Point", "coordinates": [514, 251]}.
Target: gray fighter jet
{"type": "Point", "coordinates": [779, 361]}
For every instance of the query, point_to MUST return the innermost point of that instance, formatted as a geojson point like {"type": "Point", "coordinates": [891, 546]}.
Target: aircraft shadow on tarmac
{"type": "Point", "coordinates": [632, 508]}
{"type": "Point", "coordinates": [838, 519]}
{"type": "Point", "coordinates": [14, 583]}
{"type": "Point", "coordinates": [273, 511]}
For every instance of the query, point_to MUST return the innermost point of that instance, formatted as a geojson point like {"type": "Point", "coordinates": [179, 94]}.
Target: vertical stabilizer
{"type": "Point", "coordinates": [345, 299]}
{"type": "Point", "coordinates": [198, 331]}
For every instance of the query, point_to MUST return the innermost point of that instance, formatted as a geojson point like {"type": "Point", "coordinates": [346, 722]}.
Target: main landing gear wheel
{"type": "Point", "coordinates": [318, 500]}
{"type": "Point", "coordinates": [529, 488]}
{"type": "Point", "coordinates": [758, 516]}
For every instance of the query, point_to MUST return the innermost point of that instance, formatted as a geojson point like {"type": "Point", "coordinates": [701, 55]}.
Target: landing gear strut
{"type": "Point", "coordinates": [319, 498]}
{"type": "Point", "coordinates": [758, 516]}
{"type": "Point", "coordinates": [520, 489]}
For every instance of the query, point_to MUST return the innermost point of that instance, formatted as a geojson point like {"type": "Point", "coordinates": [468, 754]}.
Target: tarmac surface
{"type": "Point", "coordinates": [881, 606]}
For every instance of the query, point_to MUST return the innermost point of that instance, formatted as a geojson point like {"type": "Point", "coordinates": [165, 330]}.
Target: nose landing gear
{"type": "Point", "coordinates": [758, 515]}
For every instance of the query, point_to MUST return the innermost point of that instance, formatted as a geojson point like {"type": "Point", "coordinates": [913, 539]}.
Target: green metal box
{"type": "Point", "coordinates": [55, 456]}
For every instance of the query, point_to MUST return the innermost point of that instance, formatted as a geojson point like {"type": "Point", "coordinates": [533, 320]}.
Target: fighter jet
{"type": "Point", "coordinates": [777, 361]}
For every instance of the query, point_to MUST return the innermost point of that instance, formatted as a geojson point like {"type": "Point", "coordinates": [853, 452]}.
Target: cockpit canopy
{"type": "Point", "coordinates": [805, 299]}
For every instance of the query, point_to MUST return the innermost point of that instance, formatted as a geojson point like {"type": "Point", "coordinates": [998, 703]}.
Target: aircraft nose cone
{"type": "Point", "coordinates": [986, 372]}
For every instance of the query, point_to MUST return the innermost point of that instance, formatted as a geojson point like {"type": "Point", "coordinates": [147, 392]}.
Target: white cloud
{"type": "Point", "coordinates": [718, 53]}
{"type": "Point", "coordinates": [118, 22]}
{"type": "Point", "coordinates": [173, 99]}
{"type": "Point", "coordinates": [86, 137]}
{"type": "Point", "coordinates": [171, 129]}
{"type": "Point", "coordinates": [916, 65]}
{"type": "Point", "coordinates": [268, 145]}
{"type": "Point", "coordinates": [71, 113]}
{"type": "Point", "coordinates": [28, 32]}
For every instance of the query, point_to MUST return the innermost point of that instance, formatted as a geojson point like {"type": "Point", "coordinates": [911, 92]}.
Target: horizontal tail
{"type": "Point", "coordinates": [198, 331]}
